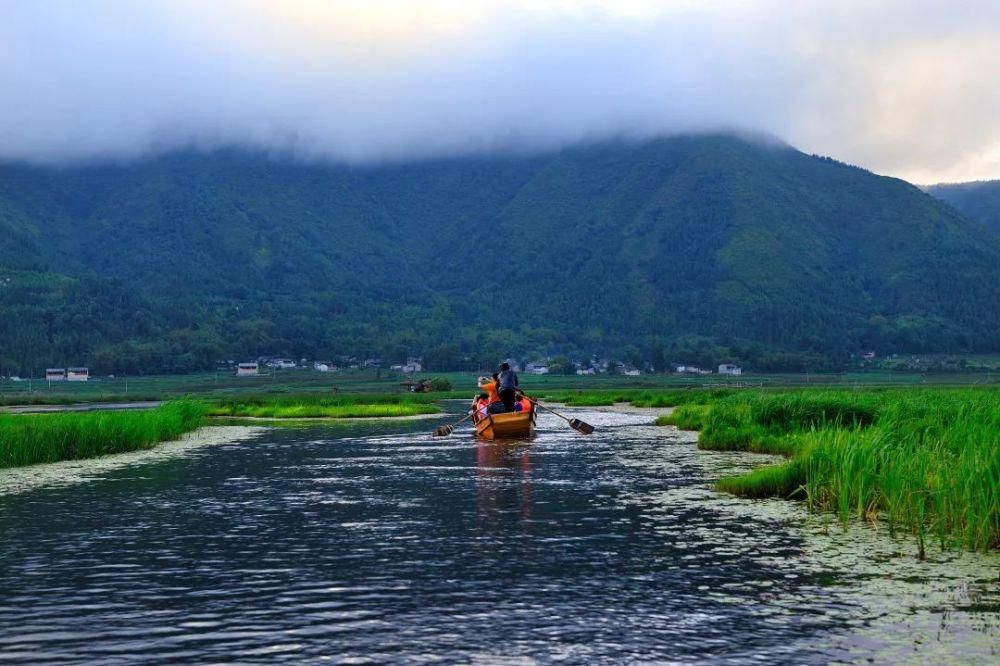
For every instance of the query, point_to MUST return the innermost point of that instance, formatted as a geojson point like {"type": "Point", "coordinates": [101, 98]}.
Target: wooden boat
{"type": "Point", "coordinates": [509, 425]}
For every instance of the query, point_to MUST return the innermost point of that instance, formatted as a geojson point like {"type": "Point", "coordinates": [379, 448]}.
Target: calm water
{"type": "Point", "coordinates": [378, 543]}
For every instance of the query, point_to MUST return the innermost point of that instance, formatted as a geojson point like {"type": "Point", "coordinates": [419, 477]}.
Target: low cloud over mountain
{"type": "Point", "coordinates": [901, 87]}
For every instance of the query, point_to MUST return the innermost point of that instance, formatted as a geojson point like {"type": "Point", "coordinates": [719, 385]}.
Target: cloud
{"type": "Point", "coordinates": [899, 87]}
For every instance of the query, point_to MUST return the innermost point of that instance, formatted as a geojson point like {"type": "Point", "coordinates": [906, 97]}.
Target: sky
{"type": "Point", "coordinates": [909, 88]}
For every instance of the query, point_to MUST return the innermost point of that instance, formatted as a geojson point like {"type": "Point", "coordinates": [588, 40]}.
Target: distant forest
{"type": "Point", "coordinates": [699, 249]}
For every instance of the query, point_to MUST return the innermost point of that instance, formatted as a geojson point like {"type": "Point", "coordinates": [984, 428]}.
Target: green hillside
{"type": "Point", "coordinates": [978, 200]}
{"type": "Point", "coordinates": [713, 247]}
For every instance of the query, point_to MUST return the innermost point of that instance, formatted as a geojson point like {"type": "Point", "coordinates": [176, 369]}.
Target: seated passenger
{"type": "Point", "coordinates": [490, 387]}
{"type": "Point", "coordinates": [482, 402]}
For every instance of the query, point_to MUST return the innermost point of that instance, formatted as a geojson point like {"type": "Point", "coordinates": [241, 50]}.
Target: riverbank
{"type": "Point", "coordinates": [922, 460]}
{"type": "Point", "coordinates": [225, 384]}
{"type": "Point", "coordinates": [29, 439]}
{"type": "Point", "coordinates": [66, 472]}
{"type": "Point", "coordinates": [71, 433]}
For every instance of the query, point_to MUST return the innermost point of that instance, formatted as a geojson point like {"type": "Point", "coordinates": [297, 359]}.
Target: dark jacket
{"type": "Point", "coordinates": [508, 381]}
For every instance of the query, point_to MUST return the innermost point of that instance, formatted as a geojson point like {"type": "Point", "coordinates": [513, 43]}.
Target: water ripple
{"type": "Point", "coordinates": [377, 543]}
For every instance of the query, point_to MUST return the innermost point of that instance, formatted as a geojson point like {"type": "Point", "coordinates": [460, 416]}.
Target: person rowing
{"type": "Point", "coordinates": [507, 386]}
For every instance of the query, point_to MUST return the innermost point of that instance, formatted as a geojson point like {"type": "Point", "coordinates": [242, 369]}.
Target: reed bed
{"type": "Point", "coordinates": [40, 438]}
{"type": "Point", "coordinates": [333, 407]}
{"type": "Point", "coordinates": [924, 461]}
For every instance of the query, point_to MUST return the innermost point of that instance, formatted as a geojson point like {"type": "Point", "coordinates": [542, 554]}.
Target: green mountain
{"type": "Point", "coordinates": [979, 200]}
{"type": "Point", "coordinates": [710, 247]}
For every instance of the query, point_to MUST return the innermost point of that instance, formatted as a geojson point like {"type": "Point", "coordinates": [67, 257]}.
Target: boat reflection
{"type": "Point", "coordinates": [503, 480]}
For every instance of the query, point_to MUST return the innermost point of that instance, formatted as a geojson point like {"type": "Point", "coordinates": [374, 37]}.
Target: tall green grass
{"type": "Point", "coordinates": [925, 461]}
{"type": "Point", "coordinates": [39, 438]}
{"type": "Point", "coordinates": [324, 406]}
{"type": "Point", "coordinates": [689, 416]}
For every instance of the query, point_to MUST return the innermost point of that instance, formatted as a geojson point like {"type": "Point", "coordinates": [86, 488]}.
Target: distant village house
{"type": "Point", "coordinates": [77, 374]}
{"type": "Point", "coordinates": [55, 374]}
{"type": "Point", "coordinates": [411, 366]}
{"type": "Point", "coordinates": [692, 370]}
{"type": "Point", "coordinates": [247, 369]}
{"type": "Point", "coordinates": [730, 369]}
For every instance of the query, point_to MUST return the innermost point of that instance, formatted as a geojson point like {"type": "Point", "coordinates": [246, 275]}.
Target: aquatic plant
{"type": "Point", "coordinates": [927, 461]}
{"type": "Point", "coordinates": [38, 438]}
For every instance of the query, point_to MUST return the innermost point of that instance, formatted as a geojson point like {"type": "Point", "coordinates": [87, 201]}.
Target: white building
{"type": "Point", "coordinates": [77, 374]}
{"type": "Point", "coordinates": [55, 374]}
{"type": "Point", "coordinates": [730, 369]}
{"type": "Point", "coordinates": [247, 369]}
{"type": "Point", "coordinates": [632, 372]}
{"type": "Point", "coordinates": [692, 370]}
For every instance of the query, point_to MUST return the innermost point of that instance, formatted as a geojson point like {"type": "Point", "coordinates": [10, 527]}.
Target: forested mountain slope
{"type": "Point", "coordinates": [978, 200]}
{"type": "Point", "coordinates": [780, 258]}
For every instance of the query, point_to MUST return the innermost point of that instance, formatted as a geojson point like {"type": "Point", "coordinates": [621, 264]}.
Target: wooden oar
{"type": "Point", "coordinates": [445, 430]}
{"type": "Point", "coordinates": [575, 424]}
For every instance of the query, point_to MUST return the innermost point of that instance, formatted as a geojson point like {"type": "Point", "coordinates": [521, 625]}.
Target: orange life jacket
{"type": "Point", "coordinates": [490, 388]}
{"type": "Point", "coordinates": [525, 405]}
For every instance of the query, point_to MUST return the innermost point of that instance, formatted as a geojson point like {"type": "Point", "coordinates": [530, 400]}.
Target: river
{"type": "Point", "coordinates": [373, 542]}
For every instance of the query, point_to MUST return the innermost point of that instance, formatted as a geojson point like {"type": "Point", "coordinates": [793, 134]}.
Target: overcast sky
{"type": "Point", "coordinates": [903, 87]}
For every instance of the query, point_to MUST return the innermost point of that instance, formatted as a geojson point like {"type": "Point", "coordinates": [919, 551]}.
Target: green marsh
{"type": "Point", "coordinates": [40, 438]}
{"type": "Point", "coordinates": [317, 406]}
{"type": "Point", "coordinates": [926, 461]}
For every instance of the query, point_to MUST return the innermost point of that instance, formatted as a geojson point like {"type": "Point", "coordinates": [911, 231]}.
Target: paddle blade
{"type": "Point", "coordinates": [577, 424]}
{"type": "Point", "coordinates": [444, 431]}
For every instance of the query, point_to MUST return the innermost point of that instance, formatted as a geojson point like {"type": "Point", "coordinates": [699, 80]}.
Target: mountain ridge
{"type": "Point", "coordinates": [978, 200]}
{"type": "Point", "coordinates": [710, 245]}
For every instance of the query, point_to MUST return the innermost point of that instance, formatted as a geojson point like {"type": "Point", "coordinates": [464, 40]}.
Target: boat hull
{"type": "Point", "coordinates": [510, 425]}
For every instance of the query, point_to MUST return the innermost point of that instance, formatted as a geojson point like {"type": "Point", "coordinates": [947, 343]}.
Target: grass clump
{"type": "Point", "coordinates": [686, 417]}
{"type": "Point", "coordinates": [315, 406]}
{"type": "Point", "coordinates": [927, 461]}
{"type": "Point", "coordinates": [40, 438]}
{"type": "Point", "coordinates": [787, 480]}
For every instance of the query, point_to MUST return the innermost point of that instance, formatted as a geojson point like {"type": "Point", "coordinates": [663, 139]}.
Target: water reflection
{"type": "Point", "coordinates": [503, 480]}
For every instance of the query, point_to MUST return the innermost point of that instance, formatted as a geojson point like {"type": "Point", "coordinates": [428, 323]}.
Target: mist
{"type": "Point", "coordinates": [902, 88]}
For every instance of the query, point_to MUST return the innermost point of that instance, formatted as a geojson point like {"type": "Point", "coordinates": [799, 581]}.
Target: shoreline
{"type": "Point", "coordinates": [14, 480]}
